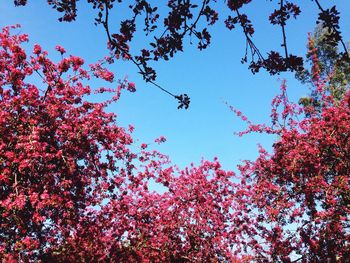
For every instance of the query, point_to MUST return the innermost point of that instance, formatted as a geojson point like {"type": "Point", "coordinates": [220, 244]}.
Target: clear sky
{"type": "Point", "coordinates": [210, 77]}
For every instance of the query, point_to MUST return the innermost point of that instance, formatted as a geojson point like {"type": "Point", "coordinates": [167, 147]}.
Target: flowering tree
{"type": "Point", "coordinates": [52, 144]}
{"type": "Point", "coordinates": [297, 197]}
{"type": "Point", "coordinates": [73, 190]}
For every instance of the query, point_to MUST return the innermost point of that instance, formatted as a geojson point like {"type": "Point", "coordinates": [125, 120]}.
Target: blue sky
{"type": "Point", "coordinates": [210, 77]}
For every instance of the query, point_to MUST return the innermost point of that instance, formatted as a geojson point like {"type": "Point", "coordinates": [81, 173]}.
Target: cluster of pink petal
{"type": "Point", "coordinates": [298, 197]}
{"type": "Point", "coordinates": [101, 72]}
{"type": "Point", "coordinates": [73, 190]}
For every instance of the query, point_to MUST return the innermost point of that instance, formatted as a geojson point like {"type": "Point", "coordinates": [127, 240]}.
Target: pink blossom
{"type": "Point", "coordinates": [60, 49]}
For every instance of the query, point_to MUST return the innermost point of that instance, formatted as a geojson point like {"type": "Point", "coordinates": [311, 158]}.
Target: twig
{"type": "Point", "coordinates": [142, 70]}
{"type": "Point", "coordinates": [283, 31]}
{"type": "Point", "coordinates": [16, 189]}
{"type": "Point", "coordinates": [253, 48]}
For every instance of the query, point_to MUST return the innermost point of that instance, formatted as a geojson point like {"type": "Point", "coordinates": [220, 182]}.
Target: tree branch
{"type": "Point", "coordinates": [336, 30]}
{"type": "Point", "coordinates": [283, 30]}
{"type": "Point", "coordinates": [142, 69]}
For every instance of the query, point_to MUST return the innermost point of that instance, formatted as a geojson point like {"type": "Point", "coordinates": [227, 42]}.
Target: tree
{"type": "Point", "coordinates": [73, 190]}
{"type": "Point", "coordinates": [297, 197]}
{"type": "Point", "coordinates": [185, 19]}
{"type": "Point", "coordinates": [329, 66]}
{"type": "Point", "coordinates": [52, 143]}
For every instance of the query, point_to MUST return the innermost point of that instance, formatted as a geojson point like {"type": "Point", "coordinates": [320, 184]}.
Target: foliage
{"type": "Point", "coordinates": [73, 190]}
{"type": "Point", "coordinates": [193, 19]}
{"type": "Point", "coordinates": [330, 66]}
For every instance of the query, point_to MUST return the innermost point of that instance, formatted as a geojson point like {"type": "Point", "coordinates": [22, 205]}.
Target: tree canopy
{"type": "Point", "coordinates": [75, 186]}
{"type": "Point", "coordinates": [167, 32]}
